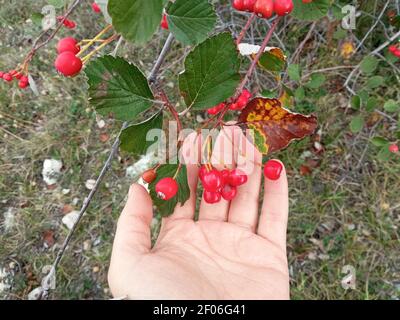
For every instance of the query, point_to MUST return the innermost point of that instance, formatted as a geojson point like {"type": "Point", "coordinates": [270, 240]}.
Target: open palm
{"type": "Point", "coordinates": [231, 252]}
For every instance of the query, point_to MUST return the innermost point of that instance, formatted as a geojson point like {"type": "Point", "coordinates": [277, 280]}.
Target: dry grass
{"type": "Point", "coordinates": [346, 212]}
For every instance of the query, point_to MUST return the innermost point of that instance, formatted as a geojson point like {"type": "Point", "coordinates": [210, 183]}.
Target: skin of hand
{"type": "Point", "coordinates": [231, 252]}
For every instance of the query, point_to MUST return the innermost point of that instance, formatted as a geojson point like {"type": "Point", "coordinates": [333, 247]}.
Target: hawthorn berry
{"type": "Point", "coordinates": [212, 180]}
{"type": "Point", "coordinates": [166, 188]}
{"type": "Point", "coordinates": [241, 101]}
{"type": "Point", "coordinates": [202, 171]}
{"type": "Point", "coordinates": [283, 7]}
{"type": "Point", "coordinates": [149, 176]}
{"type": "Point", "coordinates": [397, 53]}
{"type": "Point", "coordinates": [228, 192]}
{"type": "Point", "coordinates": [273, 170]}
{"type": "Point", "coordinates": [24, 79]}
{"type": "Point", "coordinates": [68, 64]}
{"type": "Point", "coordinates": [12, 72]}
{"type": "Point", "coordinates": [164, 22]}
{"type": "Point", "coordinates": [394, 148]}
{"type": "Point", "coordinates": [1, 74]}
{"type": "Point", "coordinates": [7, 77]}
{"type": "Point", "coordinates": [23, 84]}
{"type": "Point", "coordinates": [95, 7]}
{"type": "Point", "coordinates": [239, 5]}
{"type": "Point", "coordinates": [225, 176]}
{"type": "Point", "coordinates": [249, 5]}
{"type": "Point", "coordinates": [264, 8]}
{"type": "Point", "coordinates": [18, 75]}
{"type": "Point", "coordinates": [211, 197]}
{"type": "Point", "coordinates": [392, 48]}
{"type": "Point", "coordinates": [68, 44]}
{"type": "Point", "coordinates": [237, 177]}
{"type": "Point", "coordinates": [217, 109]}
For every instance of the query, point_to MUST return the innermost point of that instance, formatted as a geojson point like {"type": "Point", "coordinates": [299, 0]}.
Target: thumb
{"type": "Point", "coordinates": [133, 229]}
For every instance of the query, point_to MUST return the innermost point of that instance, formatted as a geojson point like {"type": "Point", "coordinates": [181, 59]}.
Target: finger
{"type": "Point", "coordinates": [189, 157]}
{"type": "Point", "coordinates": [244, 207]}
{"type": "Point", "coordinates": [274, 212]}
{"type": "Point", "coordinates": [133, 229]}
{"type": "Point", "coordinates": [222, 156]}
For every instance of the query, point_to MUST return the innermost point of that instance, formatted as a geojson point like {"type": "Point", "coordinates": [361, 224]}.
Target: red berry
{"type": "Point", "coordinates": [164, 22]}
{"type": "Point", "coordinates": [212, 180]}
{"type": "Point", "coordinates": [283, 7]}
{"type": "Point", "coordinates": [225, 176]}
{"type": "Point", "coordinates": [241, 102]}
{"type": "Point", "coordinates": [23, 84]}
{"type": "Point", "coordinates": [239, 5]}
{"type": "Point", "coordinates": [149, 176]}
{"type": "Point", "coordinates": [166, 188]}
{"type": "Point", "coordinates": [211, 197]}
{"type": "Point", "coordinates": [24, 79]}
{"type": "Point", "coordinates": [228, 192]}
{"type": "Point", "coordinates": [69, 24]}
{"type": "Point", "coordinates": [202, 171]}
{"type": "Point", "coordinates": [394, 148]}
{"type": "Point", "coordinates": [264, 8]}
{"type": "Point", "coordinates": [397, 53]}
{"type": "Point", "coordinates": [1, 74]}
{"type": "Point", "coordinates": [7, 77]}
{"type": "Point", "coordinates": [18, 75]}
{"type": "Point", "coordinates": [68, 44]}
{"type": "Point", "coordinates": [249, 5]}
{"type": "Point", "coordinates": [68, 64]}
{"type": "Point", "coordinates": [12, 72]}
{"type": "Point", "coordinates": [217, 109]}
{"type": "Point", "coordinates": [95, 7]}
{"type": "Point", "coordinates": [392, 48]}
{"type": "Point", "coordinates": [273, 170]}
{"type": "Point", "coordinates": [234, 106]}
{"type": "Point", "coordinates": [246, 93]}
{"type": "Point", "coordinates": [237, 177]}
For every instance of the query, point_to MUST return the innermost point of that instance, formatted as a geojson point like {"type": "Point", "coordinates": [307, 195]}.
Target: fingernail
{"type": "Point", "coordinates": [273, 170]}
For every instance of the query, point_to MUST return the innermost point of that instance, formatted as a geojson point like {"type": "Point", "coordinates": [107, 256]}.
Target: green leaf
{"type": "Point", "coordinates": [379, 141]}
{"type": "Point", "coordinates": [300, 94]}
{"type": "Point", "coordinates": [384, 154]}
{"type": "Point", "coordinates": [369, 64]}
{"type": "Point", "coordinates": [391, 106]}
{"type": "Point", "coordinates": [294, 72]}
{"type": "Point", "coordinates": [316, 81]}
{"type": "Point", "coordinates": [271, 94]}
{"type": "Point", "coordinates": [273, 60]}
{"type": "Point", "coordinates": [166, 208]}
{"type": "Point", "coordinates": [340, 34]}
{"type": "Point", "coordinates": [310, 11]}
{"type": "Point", "coordinates": [372, 102]}
{"type": "Point", "coordinates": [118, 87]}
{"type": "Point", "coordinates": [133, 138]}
{"type": "Point", "coordinates": [211, 72]}
{"type": "Point", "coordinates": [191, 21]}
{"type": "Point", "coordinates": [136, 20]}
{"type": "Point", "coordinates": [357, 124]}
{"type": "Point", "coordinates": [356, 102]}
{"type": "Point", "coordinates": [56, 3]}
{"type": "Point", "coordinates": [37, 18]}
{"type": "Point", "coordinates": [363, 94]}
{"type": "Point", "coordinates": [374, 82]}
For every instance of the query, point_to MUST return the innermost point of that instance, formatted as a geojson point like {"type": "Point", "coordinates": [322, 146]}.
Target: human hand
{"type": "Point", "coordinates": [231, 252]}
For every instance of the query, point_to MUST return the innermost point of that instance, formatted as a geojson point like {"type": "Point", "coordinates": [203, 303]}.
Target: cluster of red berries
{"type": "Point", "coordinates": [67, 62]}
{"type": "Point", "coordinates": [239, 104]}
{"type": "Point", "coordinates": [217, 184]}
{"type": "Point", "coordinates": [23, 81]}
{"type": "Point", "coordinates": [395, 50]}
{"type": "Point", "coordinates": [265, 8]}
{"type": "Point", "coordinates": [67, 23]}
{"type": "Point", "coordinates": [164, 22]}
{"type": "Point", "coordinates": [220, 184]}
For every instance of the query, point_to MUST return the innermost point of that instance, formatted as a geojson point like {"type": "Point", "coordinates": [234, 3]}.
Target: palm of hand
{"type": "Point", "coordinates": [210, 260]}
{"type": "Point", "coordinates": [231, 252]}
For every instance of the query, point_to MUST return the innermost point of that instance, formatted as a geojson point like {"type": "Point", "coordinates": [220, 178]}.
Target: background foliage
{"type": "Point", "coordinates": [344, 207]}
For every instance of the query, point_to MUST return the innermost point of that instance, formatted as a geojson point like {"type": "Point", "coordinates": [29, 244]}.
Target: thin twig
{"type": "Point", "coordinates": [245, 28]}
{"type": "Point", "coordinates": [46, 283]}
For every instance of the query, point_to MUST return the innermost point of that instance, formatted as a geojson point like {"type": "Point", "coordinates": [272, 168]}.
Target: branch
{"type": "Point", "coordinates": [255, 61]}
{"type": "Point", "coordinates": [245, 28]}
{"type": "Point", "coordinates": [46, 283]}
